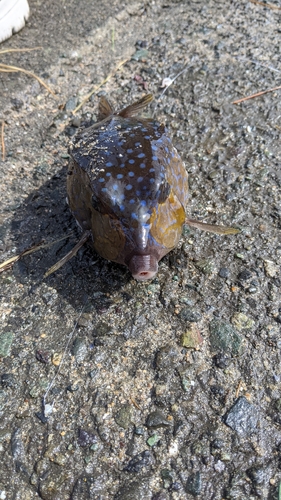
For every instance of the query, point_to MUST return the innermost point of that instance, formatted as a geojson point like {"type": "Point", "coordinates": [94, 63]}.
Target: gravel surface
{"type": "Point", "coordinates": [169, 389]}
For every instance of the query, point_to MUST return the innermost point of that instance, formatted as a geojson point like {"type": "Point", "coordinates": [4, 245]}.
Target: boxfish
{"type": "Point", "coordinates": [127, 188]}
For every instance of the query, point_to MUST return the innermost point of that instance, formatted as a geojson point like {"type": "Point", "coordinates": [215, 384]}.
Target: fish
{"type": "Point", "coordinates": [127, 188]}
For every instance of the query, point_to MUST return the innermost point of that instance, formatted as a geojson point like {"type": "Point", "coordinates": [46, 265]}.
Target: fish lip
{"type": "Point", "coordinates": [144, 276]}
{"type": "Point", "coordinates": [143, 267]}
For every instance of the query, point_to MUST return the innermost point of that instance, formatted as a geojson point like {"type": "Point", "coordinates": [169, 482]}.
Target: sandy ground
{"type": "Point", "coordinates": [168, 389]}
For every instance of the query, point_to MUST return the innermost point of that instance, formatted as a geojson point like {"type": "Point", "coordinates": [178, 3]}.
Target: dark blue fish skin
{"type": "Point", "coordinates": [128, 185]}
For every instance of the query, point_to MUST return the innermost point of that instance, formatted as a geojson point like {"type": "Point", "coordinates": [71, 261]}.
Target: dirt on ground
{"type": "Point", "coordinates": [168, 389]}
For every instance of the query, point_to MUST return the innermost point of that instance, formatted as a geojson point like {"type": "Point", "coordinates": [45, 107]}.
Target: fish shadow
{"type": "Point", "coordinates": [45, 217]}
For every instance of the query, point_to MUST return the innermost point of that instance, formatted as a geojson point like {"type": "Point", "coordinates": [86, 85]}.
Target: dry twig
{"type": "Point", "coordinates": [69, 255]}
{"type": "Point", "coordinates": [6, 68]}
{"type": "Point", "coordinates": [135, 403]}
{"type": "Point", "coordinates": [10, 262]}
{"type": "Point", "coordinates": [256, 95]}
{"type": "Point", "coordinates": [264, 4]}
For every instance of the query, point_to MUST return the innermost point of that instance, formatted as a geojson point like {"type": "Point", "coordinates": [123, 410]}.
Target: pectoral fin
{"type": "Point", "coordinates": [136, 107]}
{"type": "Point", "coordinates": [212, 228]}
{"type": "Point", "coordinates": [69, 255]}
{"type": "Point", "coordinates": [105, 109]}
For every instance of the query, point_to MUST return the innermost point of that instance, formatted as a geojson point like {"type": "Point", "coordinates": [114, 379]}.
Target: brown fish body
{"type": "Point", "coordinates": [129, 187]}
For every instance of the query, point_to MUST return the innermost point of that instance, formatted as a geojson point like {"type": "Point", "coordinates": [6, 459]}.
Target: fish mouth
{"type": "Point", "coordinates": [143, 267]}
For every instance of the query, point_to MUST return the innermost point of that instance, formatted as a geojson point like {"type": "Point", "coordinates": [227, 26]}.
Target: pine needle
{"type": "Point", "coordinates": [264, 4]}
{"type": "Point", "coordinates": [12, 260]}
{"type": "Point", "coordinates": [256, 95]}
{"type": "Point", "coordinates": [69, 255]}
{"type": "Point", "coordinates": [6, 68]}
{"type": "Point", "coordinates": [5, 51]}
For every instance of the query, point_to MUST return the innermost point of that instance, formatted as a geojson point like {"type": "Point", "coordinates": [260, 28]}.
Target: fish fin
{"type": "Point", "coordinates": [69, 255]}
{"type": "Point", "coordinates": [136, 107]}
{"type": "Point", "coordinates": [212, 228]}
{"type": "Point", "coordinates": [105, 108]}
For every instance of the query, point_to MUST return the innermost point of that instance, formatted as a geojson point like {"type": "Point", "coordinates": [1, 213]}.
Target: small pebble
{"type": "Point", "coordinates": [42, 356]}
{"type": "Point", "coordinates": [190, 315]}
{"type": "Point", "coordinates": [244, 275]}
{"type": "Point", "coordinates": [258, 475]}
{"type": "Point", "coordinates": [168, 476]}
{"type": "Point", "coordinates": [224, 272]}
{"type": "Point", "coordinates": [242, 417]}
{"type": "Point", "coordinates": [167, 357]}
{"type": "Point", "coordinates": [206, 266]}
{"type": "Point", "coordinates": [71, 104]}
{"type": "Point", "coordinates": [230, 175]}
{"type": "Point", "coordinates": [221, 360]}
{"type": "Point", "coordinates": [94, 373]}
{"type": "Point", "coordinates": [219, 466]}
{"type": "Point", "coordinates": [73, 387]}
{"type": "Point", "coordinates": [240, 256]}
{"type": "Point", "coordinates": [83, 322]}
{"type": "Point", "coordinates": [79, 349]}
{"type": "Point", "coordinates": [124, 416]}
{"type": "Point", "coordinates": [140, 55]}
{"type": "Point", "coordinates": [139, 462]}
{"type": "Point", "coordinates": [76, 122]}
{"type": "Point", "coordinates": [86, 438]}
{"type": "Point", "coordinates": [217, 444]}
{"type": "Point", "coordinates": [8, 380]}
{"type": "Point", "coordinates": [153, 440]}
{"type": "Point", "coordinates": [157, 419]}
{"type": "Point", "coordinates": [48, 409]}
{"type": "Point", "coordinates": [271, 268]}
{"type": "Point", "coordinates": [194, 484]}
{"type": "Point", "coordinates": [223, 337]}
{"type": "Point", "coordinates": [192, 338]}
{"type": "Point", "coordinates": [6, 340]}
{"type": "Point", "coordinates": [56, 358]}
{"type": "Point", "coordinates": [186, 381]}
{"type": "Point", "coordinates": [139, 431]}
{"type": "Point", "coordinates": [241, 321]}
{"type": "Point", "coordinates": [215, 174]}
